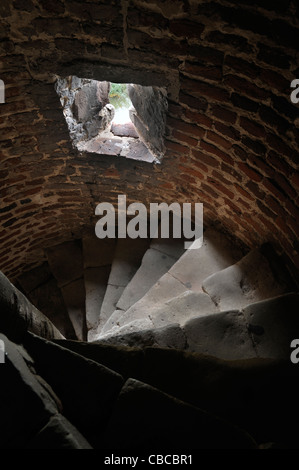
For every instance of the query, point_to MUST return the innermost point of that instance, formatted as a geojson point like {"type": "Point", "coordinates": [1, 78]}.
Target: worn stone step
{"type": "Point", "coordinates": [58, 433]}
{"type": "Point", "coordinates": [154, 264]}
{"type": "Point", "coordinates": [153, 420]}
{"type": "Point", "coordinates": [127, 259]}
{"type": "Point", "coordinates": [74, 299]}
{"type": "Point", "coordinates": [95, 280]}
{"type": "Point", "coordinates": [97, 252]}
{"type": "Point", "coordinates": [188, 273]}
{"type": "Point", "coordinates": [212, 384]}
{"type": "Point", "coordinates": [249, 280]}
{"type": "Point", "coordinates": [25, 404]}
{"type": "Point", "coordinates": [19, 315]}
{"type": "Point", "coordinates": [264, 329]}
{"type": "Point", "coordinates": [87, 390]}
{"type": "Point", "coordinates": [66, 262]}
{"type": "Point", "coordinates": [41, 289]}
{"type": "Point", "coordinates": [178, 309]}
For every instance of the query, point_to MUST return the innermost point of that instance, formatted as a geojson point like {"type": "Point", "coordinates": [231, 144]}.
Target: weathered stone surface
{"type": "Point", "coordinates": [217, 252]}
{"type": "Point", "coordinates": [186, 274]}
{"type": "Point", "coordinates": [126, 261]}
{"type": "Point", "coordinates": [32, 279]}
{"type": "Point", "coordinates": [149, 115]}
{"type": "Point", "coordinates": [65, 261]}
{"type": "Point", "coordinates": [97, 252]}
{"type": "Point", "coordinates": [18, 315]}
{"type": "Point", "coordinates": [124, 130]}
{"type": "Point", "coordinates": [58, 433]}
{"type": "Point", "coordinates": [86, 106]}
{"type": "Point", "coordinates": [178, 309]}
{"type": "Point", "coordinates": [74, 299]}
{"type": "Point", "coordinates": [95, 281]}
{"type": "Point", "coordinates": [25, 406]}
{"type": "Point", "coordinates": [87, 390]}
{"type": "Point", "coordinates": [249, 280]}
{"type": "Point", "coordinates": [167, 423]}
{"type": "Point", "coordinates": [136, 150]}
{"type": "Point", "coordinates": [140, 333]}
{"type": "Point", "coordinates": [223, 335]}
{"type": "Point", "coordinates": [154, 264]}
{"type": "Point", "coordinates": [126, 361]}
{"type": "Point", "coordinates": [273, 324]}
{"type": "Point", "coordinates": [259, 395]}
{"type": "Point", "coordinates": [48, 299]}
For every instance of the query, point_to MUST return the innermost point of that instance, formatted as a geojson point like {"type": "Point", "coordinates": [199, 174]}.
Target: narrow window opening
{"type": "Point", "coordinates": [116, 119]}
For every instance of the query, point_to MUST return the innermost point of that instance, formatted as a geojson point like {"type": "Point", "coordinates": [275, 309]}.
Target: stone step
{"type": "Point", "coordinates": [157, 260]}
{"type": "Point", "coordinates": [211, 384]}
{"type": "Point", "coordinates": [153, 421]}
{"type": "Point", "coordinates": [188, 273]}
{"type": "Point", "coordinates": [95, 280]}
{"type": "Point", "coordinates": [87, 390]}
{"type": "Point", "coordinates": [127, 260]}
{"type": "Point", "coordinates": [178, 310]}
{"type": "Point", "coordinates": [41, 289]}
{"type": "Point", "coordinates": [264, 329]}
{"type": "Point", "coordinates": [74, 299]}
{"type": "Point", "coordinates": [66, 262]}
{"type": "Point", "coordinates": [98, 255]}
{"type": "Point", "coordinates": [97, 252]}
{"type": "Point", "coordinates": [249, 280]}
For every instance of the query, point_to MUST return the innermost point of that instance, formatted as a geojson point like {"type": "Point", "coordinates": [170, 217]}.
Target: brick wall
{"type": "Point", "coordinates": [232, 135]}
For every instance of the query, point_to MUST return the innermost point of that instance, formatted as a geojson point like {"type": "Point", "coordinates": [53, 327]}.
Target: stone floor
{"type": "Point", "coordinates": [120, 141]}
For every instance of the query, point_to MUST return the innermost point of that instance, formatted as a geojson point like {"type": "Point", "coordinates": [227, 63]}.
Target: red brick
{"type": "Point", "coordinates": [191, 171]}
{"type": "Point", "coordinates": [242, 66]}
{"type": "Point", "coordinates": [206, 159]}
{"type": "Point", "coordinates": [220, 187]}
{"type": "Point", "coordinates": [208, 71]}
{"type": "Point", "coordinates": [196, 103]}
{"type": "Point", "coordinates": [275, 206]}
{"type": "Point", "coordinates": [275, 80]}
{"type": "Point", "coordinates": [255, 190]}
{"type": "Point", "coordinates": [198, 118]}
{"type": "Point", "coordinates": [185, 127]}
{"type": "Point", "coordinates": [295, 180]}
{"type": "Point", "coordinates": [245, 87]}
{"type": "Point", "coordinates": [231, 171]}
{"type": "Point", "coordinates": [186, 29]}
{"type": "Point", "coordinates": [221, 178]}
{"type": "Point", "coordinates": [280, 146]}
{"type": "Point", "coordinates": [252, 128]}
{"type": "Point", "coordinates": [215, 151]}
{"type": "Point", "coordinates": [217, 139]}
{"type": "Point", "coordinates": [175, 147]}
{"type": "Point", "coordinates": [229, 117]}
{"type": "Point", "coordinates": [185, 138]}
{"type": "Point", "coordinates": [229, 132]}
{"type": "Point", "coordinates": [200, 89]}
{"type": "Point", "coordinates": [250, 172]}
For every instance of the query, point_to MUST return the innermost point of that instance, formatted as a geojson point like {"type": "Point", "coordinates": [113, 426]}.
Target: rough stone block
{"type": "Point", "coordinates": [66, 262]}
{"type": "Point", "coordinates": [156, 421]}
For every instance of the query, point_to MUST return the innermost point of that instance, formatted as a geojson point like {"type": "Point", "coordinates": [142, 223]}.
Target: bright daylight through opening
{"type": "Point", "coordinates": [114, 119]}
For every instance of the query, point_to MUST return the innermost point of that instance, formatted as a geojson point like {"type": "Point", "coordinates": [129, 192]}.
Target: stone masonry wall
{"type": "Point", "coordinates": [232, 131]}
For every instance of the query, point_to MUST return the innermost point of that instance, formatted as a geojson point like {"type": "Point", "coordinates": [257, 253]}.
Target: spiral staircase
{"type": "Point", "coordinates": [160, 347]}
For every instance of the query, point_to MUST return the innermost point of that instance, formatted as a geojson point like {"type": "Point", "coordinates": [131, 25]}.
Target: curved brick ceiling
{"type": "Point", "coordinates": [232, 137]}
